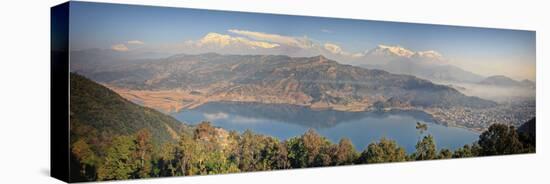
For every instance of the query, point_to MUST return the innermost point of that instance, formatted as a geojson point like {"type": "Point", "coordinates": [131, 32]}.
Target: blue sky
{"type": "Point", "coordinates": [479, 49]}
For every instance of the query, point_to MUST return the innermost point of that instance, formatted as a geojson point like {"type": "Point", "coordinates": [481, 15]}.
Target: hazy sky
{"type": "Point", "coordinates": [480, 50]}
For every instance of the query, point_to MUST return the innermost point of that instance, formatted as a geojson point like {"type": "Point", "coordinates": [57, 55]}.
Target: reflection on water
{"type": "Point", "coordinates": [285, 121]}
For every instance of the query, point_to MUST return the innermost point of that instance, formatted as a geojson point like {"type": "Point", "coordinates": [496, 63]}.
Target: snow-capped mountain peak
{"type": "Point", "coordinates": [398, 51]}
{"type": "Point", "coordinates": [384, 50]}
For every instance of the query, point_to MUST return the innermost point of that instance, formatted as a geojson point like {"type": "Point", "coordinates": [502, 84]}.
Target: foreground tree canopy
{"type": "Point", "coordinates": [211, 150]}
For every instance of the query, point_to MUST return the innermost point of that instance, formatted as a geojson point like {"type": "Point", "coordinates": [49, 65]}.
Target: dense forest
{"type": "Point", "coordinates": [112, 138]}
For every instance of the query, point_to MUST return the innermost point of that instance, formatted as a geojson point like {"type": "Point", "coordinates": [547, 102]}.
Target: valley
{"type": "Point", "coordinates": [184, 82]}
{"type": "Point", "coordinates": [169, 101]}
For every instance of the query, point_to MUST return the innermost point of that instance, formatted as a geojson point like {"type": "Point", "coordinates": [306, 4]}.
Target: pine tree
{"type": "Point", "coordinates": [426, 149]}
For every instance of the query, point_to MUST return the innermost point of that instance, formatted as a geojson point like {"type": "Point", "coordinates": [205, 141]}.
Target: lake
{"type": "Point", "coordinates": [286, 121]}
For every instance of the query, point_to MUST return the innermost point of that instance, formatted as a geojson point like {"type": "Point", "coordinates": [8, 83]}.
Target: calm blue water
{"type": "Point", "coordinates": [285, 121]}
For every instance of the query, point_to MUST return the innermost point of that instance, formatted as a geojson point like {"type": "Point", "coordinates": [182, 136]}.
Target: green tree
{"type": "Point", "coordinates": [297, 153]}
{"type": "Point", "coordinates": [528, 141]}
{"type": "Point", "coordinates": [421, 127]}
{"type": "Point", "coordinates": [273, 154]}
{"type": "Point", "coordinates": [167, 163]}
{"type": "Point", "coordinates": [313, 143]}
{"type": "Point", "coordinates": [500, 139]}
{"type": "Point", "coordinates": [312, 150]}
{"type": "Point", "coordinates": [143, 154]}
{"type": "Point", "coordinates": [345, 153]}
{"type": "Point", "coordinates": [445, 154]}
{"type": "Point", "coordinates": [85, 156]}
{"type": "Point", "coordinates": [232, 150]}
{"type": "Point", "coordinates": [187, 155]}
{"type": "Point", "coordinates": [527, 136]}
{"type": "Point", "coordinates": [215, 163]}
{"type": "Point", "coordinates": [327, 156]}
{"type": "Point", "coordinates": [249, 151]}
{"type": "Point", "coordinates": [383, 151]}
{"type": "Point", "coordinates": [281, 156]}
{"type": "Point", "coordinates": [464, 152]}
{"type": "Point", "coordinates": [204, 131]}
{"type": "Point", "coordinates": [426, 149]}
{"type": "Point", "coordinates": [119, 162]}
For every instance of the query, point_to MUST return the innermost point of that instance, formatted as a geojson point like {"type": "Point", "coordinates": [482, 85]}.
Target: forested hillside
{"type": "Point", "coordinates": [96, 106]}
{"type": "Point", "coordinates": [98, 119]}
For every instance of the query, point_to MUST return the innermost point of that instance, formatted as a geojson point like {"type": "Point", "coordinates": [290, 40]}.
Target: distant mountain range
{"type": "Point", "coordinates": [425, 64]}
{"type": "Point", "coordinates": [90, 60]}
{"type": "Point", "coordinates": [500, 80]}
{"type": "Point", "coordinates": [316, 82]}
{"type": "Point", "coordinates": [429, 65]}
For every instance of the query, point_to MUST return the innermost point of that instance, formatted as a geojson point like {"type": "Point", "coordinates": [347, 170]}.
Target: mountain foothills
{"type": "Point", "coordinates": [316, 82]}
{"type": "Point", "coordinates": [113, 139]}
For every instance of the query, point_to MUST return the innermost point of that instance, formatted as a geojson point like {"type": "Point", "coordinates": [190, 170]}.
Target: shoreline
{"type": "Point", "coordinates": [174, 101]}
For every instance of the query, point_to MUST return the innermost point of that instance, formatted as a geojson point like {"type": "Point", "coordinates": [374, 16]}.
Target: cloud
{"type": "Point", "coordinates": [429, 54]}
{"type": "Point", "coordinates": [304, 44]}
{"type": "Point", "coordinates": [301, 42]}
{"type": "Point", "coordinates": [129, 45]}
{"type": "Point", "coordinates": [222, 40]}
{"type": "Point", "coordinates": [215, 116]}
{"type": "Point", "coordinates": [333, 48]}
{"type": "Point", "coordinates": [251, 42]}
{"type": "Point", "coordinates": [135, 42]}
{"type": "Point", "coordinates": [119, 48]}
{"type": "Point", "coordinates": [245, 120]}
